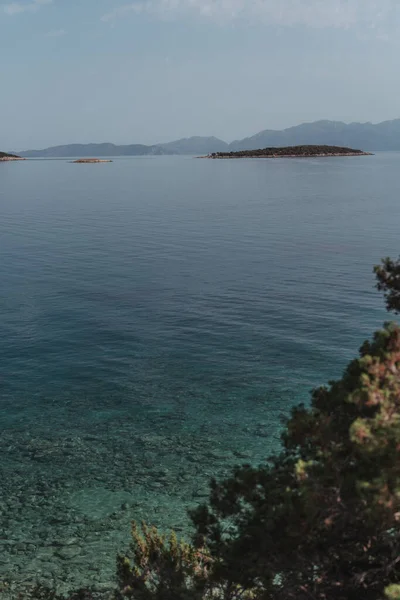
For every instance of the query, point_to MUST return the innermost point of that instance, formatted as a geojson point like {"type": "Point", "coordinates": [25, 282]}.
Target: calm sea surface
{"type": "Point", "coordinates": [158, 316]}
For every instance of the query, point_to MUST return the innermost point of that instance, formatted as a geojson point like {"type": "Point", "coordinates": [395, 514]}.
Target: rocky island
{"type": "Point", "coordinates": [291, 152]}
{"type": "Point", "coordinates": [7, 157]}
{"type": "Point", "coordinates": [91, 160]}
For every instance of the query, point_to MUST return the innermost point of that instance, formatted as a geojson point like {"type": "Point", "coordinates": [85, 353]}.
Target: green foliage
{"type": "Point", "coordinates": [392, 592]}
{"type": "Point", "coordinates": [321, 520]}
{"type": "Point", "coordinates": [5, 155]}
{"type": "Point", "coordinates": [41, 592]}
{"type": "Point", "coordinates": [305, 150]}
{"type": "Point", "coordinates": [388, 277]}
{"type": "Point", "coordinates": [162, 567]}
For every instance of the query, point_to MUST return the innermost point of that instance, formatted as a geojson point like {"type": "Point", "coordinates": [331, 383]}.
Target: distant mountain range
{"type": "Point", "coordinates": [364, 136]}
{"type": "Point", "coordinates": [95, 150]}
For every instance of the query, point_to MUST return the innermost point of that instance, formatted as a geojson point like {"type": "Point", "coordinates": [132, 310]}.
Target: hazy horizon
{"type": "Point", "coordinates": [152, 71]}
{"type": "Point", "coordinates": [186, 137]}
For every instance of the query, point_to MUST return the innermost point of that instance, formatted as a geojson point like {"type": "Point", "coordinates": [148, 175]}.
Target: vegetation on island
{"type": "Point", "coordinates": [319, 521]}
{"type": "Point", "coordinates": [5, 156]}
{"type": "Point", "coordinates": [291, 151]}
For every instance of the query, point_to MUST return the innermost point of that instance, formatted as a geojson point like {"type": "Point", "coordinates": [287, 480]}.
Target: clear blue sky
{"type": "Point", "coordinates": [149, 71]}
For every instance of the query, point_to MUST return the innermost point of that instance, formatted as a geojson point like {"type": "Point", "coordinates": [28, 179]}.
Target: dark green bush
{"type": "Point", "coordinates": [161, 566]}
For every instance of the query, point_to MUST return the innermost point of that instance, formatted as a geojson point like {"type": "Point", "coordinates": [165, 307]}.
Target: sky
{"type": "Point", "coordinates": [149, 71]}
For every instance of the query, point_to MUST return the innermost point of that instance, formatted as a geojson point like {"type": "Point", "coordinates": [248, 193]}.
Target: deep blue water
{"type": "Point", "coordinates": [160, 314]}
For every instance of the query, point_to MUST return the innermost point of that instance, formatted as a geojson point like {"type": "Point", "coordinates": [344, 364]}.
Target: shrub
{"type": "Point", "coordinates": [321, 520]}
{"type": "Point", "coordinates": [388, 281]}
{"type": "Point", "coordinates": [162, 567]}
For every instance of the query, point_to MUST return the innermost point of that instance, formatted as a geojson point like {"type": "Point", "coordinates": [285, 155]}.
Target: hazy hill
{"type": "Point", "coordinates": [196, 145]}
{"type": "Point", "coordinates": [95, 150]}
{"type": "Point", "coordinates": [366, 136]}
{"type": "Point", "coordinates": [381, 136]}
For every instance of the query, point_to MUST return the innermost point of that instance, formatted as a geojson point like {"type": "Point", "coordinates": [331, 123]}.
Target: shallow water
{"type": "Point", "coordinates": [158, 316]}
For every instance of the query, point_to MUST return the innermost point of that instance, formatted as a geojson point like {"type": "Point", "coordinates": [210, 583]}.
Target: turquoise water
{"type": "Point", "coordinates": [158, 316]}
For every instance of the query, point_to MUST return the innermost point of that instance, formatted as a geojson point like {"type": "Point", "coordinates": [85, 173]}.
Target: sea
{"type": "Point", "coordinates": [159, 317]}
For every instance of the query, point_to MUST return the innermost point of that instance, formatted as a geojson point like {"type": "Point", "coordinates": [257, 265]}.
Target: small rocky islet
{"type": "Point", "coordinates": [4, 157]}
{"type": "Point", "coordinates": [91, 160]}
{"type": "Point", "coordinates": [305, 151]}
